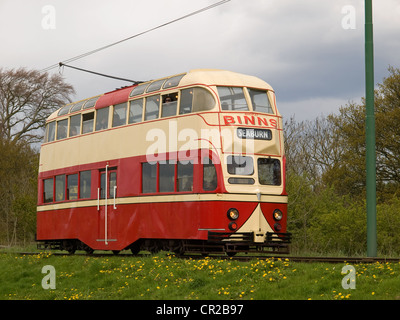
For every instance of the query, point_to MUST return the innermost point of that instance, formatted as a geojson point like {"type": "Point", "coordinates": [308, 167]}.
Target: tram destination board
{"type": "Point", "coordinates": [254, 133]}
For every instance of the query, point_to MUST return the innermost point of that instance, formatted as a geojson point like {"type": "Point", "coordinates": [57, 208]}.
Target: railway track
{"type": "Point", "coordinates": [309, 259]}
{"type": "Point", "coordinates": [350, 260]}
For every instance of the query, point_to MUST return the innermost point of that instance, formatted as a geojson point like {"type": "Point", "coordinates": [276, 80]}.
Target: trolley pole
{"type": "Point", "coordinates": [370, 133]}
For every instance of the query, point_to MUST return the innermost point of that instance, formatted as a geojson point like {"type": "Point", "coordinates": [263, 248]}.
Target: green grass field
{"type": "Point", "coordinates": [164, 277]}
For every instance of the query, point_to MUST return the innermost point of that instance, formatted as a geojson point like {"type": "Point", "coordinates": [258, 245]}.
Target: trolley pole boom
{"type": "Point", "coordinates": [370, 133]}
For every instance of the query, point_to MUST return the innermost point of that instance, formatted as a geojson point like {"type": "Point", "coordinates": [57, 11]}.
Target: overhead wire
{"type": "Point", "coordinates": [83, 55]}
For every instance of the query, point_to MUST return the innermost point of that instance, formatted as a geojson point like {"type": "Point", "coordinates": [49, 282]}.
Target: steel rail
{"type": "Point", "coordinates": [245, 258]}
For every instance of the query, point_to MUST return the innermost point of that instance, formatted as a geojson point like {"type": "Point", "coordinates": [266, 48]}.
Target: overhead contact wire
{"type": "Point", "coordinates": [136, 35]}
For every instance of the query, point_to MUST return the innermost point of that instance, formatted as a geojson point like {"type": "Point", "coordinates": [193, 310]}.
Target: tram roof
{"type": "Point", "coordinates": [209, 77]}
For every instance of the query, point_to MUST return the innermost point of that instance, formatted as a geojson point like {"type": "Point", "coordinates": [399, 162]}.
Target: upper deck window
{"type": "Point", "coordinates": [119, 115]}
{"type": "Point", "coordinates": [173, 81]}
{"type": "Point", "coordinates": [62, 127]}
{"type": "Point", "coordinates": [50, 131]}
{"type": "Point", "coordinates": [75, 125]}
{"type": "Point", "coordinates": [87, 122]}
{"type": "Point", "coordinates": [155, 86]}
{"type": "Point", "coordinates": [232, 99]}
{"type": "Point", "coordinates": [169, 105]}
{"type": "Point", "coordinates": [138, 90]}
{"type": "Point", "coordinates": [90, 103]}
{"type": "Point", "coordinates": [77, 106]}
{"type": "Point", "coordinates": [152, 107]}
{"type": "Point", "coordinates": [135, 111]}
{"type": "Point", "coordinates": [64, 110]}
{"type": "Point", "coordinates": [195, 99]}
{"type": "Point", "coordinates": [260, 101]}
{"type": "Point", "coordinates": [102, 119]}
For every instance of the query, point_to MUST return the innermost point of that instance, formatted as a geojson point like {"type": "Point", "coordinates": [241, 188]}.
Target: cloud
{"type": "Point", "coordinates": [299, 47]}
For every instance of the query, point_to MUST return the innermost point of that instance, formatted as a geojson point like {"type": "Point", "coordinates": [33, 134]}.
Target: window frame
{"type": "Point", "coordinates": [51, 130]}
{"type": "Point", "coordinates": [60, 190]}
{"type": "Point", "coordinates": [274, 176]}
{"type": "Point", "coordinates": [148, 114]}
{"type": "Point", "coordinates": [88, 123]}
{"type": "Point", "coordinates": [89, 172]}
{"type": "Point", "coordinates": [169, 106]}
{"type": "Point", "coordinates": [61, 124]}
{"type": "Point", "coordinates": [52, 190]}
{"type": "Point", "coordinates": [68, 186]}
{"type": "Point", "coordinates": [102, 114]}
{"type": "Point", "coordinates": [115, 112]}
{"type": "Point", "coordinates": [154, 185]}
{"type": "Point", "coordinates": [76, 116]}
{"type": "Point", "coordinates": [266, 92]}
{"type": "Point", "coordinates": [231, 106]}
{"type": "Point", "coordinates": [232, 165]}
{"type": "Point", "coordinates": [134, 102]}
{"type": "Point", "coordinates": [208, 163]}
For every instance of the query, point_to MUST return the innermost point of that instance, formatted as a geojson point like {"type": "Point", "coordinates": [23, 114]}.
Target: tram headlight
{"type": "Point", "coordinates": [233, 213]}
{"type": "Point", "coordinates": [277, 214]}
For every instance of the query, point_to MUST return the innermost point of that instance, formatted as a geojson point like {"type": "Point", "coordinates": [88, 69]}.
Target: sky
{"type": "Point", "coordinates": [311, 51]}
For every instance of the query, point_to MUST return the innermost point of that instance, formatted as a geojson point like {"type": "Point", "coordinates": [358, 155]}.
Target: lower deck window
{"type": "Point", "coordinates": [72, 187]}
{"type": "Point", "coordinates": [185, 177]}
{"type": "Point", "coordinates": [269, 171]}
{"type": "Point", "coordinates": [48, 190]}
{"type": "Point", "coordinates": [85, 184]}
{"type": "Point", "coordinates": [60, 188]}
{"type": "Point", "coordinates": [107, 187]}
{"type": "Point", "coordinates": [209, 175]}
{"type": "Point", "coordinates": [167, 177]}
{"type": "Point", "coordinates": [149, 177]}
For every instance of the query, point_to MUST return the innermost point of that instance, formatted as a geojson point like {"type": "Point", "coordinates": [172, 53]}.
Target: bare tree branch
{"type": "Point", "coordinates": [27, 98]}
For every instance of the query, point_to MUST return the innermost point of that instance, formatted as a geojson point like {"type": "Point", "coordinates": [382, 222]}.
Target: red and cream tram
{"type": "Point", "coordinates": [188, 163]}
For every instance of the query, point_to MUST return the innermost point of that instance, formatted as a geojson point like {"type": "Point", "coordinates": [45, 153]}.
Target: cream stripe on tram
{"type": "Point", "coordinates": [165, 198]}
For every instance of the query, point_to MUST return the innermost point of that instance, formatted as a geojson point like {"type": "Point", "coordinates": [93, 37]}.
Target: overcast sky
{"type": "Point", "coordinates": [310, 51]}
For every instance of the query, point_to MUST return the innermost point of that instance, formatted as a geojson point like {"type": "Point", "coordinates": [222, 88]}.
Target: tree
{"type": "Point", "coordinates": [27, 98]}
{"type": "Point", "coordinates": [348, 174]}
{"type": "Point", "coordinates": [18, 191]}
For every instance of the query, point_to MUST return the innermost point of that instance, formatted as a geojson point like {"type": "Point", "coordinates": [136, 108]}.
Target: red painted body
{"type": "Point", "coordinates": [171, 217]}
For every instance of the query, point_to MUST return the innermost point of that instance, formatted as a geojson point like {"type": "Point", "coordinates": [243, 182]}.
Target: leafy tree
{"type": "Point", "coordinates": [326, 176]}
{"type": "Point", "coordinates": [27, 98]}
{"type": "Point", "coordinates": [348, 173]}
{"type": "Point", "coordinates": [18, 191]}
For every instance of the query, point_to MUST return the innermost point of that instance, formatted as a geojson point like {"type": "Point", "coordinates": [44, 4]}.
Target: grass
{"type": "Point", "coordinates": [166, 277]}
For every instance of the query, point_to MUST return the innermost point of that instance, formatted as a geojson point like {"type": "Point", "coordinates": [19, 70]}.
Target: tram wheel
{"type": "Point", "coordinates": [89, 250]}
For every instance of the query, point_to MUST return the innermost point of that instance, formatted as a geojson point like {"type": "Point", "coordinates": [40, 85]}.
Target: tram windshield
{"type": "Point", "coordinates": [269, 171]}
{"type": "Point", "coordinates": [234, 99]}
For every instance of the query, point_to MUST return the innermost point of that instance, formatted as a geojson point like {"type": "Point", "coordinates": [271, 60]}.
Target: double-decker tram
{"type": "Point", "coordinates": [188, 163]}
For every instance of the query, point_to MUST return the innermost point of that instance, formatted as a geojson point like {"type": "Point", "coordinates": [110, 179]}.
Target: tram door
{"type": "Point", "coordinates": [106, 205]}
